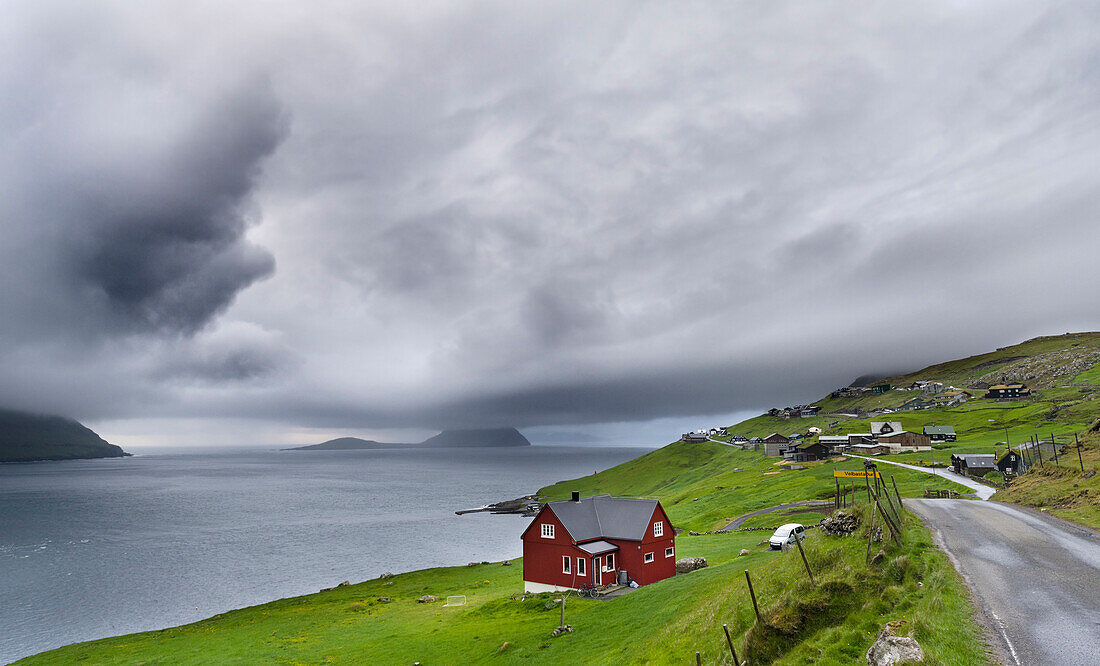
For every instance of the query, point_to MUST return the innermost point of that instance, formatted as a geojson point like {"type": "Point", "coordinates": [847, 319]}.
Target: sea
{"type": "Point", "coordinates": [97, 548]}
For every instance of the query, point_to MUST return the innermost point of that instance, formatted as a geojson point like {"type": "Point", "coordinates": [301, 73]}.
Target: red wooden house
{"type": "Point", "coordinates": [578, 541]}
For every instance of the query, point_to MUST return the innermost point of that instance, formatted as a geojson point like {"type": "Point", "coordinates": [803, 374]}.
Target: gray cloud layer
{"type": "Point", "coordinates": [365, 216]}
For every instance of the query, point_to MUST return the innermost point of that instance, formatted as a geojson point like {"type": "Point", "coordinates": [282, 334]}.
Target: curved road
{"type": "Point", "coordinates": [983, 491]}
{"type": "Point", "coordinates": [740, 520]}
{"type": "Point", "coordinates": [1036, 579]}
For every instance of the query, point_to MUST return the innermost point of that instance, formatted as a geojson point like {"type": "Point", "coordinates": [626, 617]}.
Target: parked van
{"type": "Point", "coordinates": [787, 534]}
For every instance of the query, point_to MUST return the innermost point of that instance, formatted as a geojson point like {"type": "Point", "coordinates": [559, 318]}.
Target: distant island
{"type": "Point", "coordinates": [448, 439]}
{"type": "Point", "coordinates": [27, 437]}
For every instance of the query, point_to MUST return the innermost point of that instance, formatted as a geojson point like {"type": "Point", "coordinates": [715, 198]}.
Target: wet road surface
{"type": "Point", "coordinates": [1036, 579]}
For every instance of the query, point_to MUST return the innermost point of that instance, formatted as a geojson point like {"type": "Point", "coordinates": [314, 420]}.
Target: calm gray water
{"type": "Point", "coordinates": [96, 548]}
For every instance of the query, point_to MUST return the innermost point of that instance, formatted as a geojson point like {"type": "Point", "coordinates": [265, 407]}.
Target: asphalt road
{"type": "Point", "coordinates": [740, 520]}
{"type": "Point", "coordinates": [1036, 579]}
{"type": "Point", "coordinates": [983, 491]}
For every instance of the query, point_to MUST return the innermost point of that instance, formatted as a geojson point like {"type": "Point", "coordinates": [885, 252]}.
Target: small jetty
{"type": "Point", "coordinates": [528, 505]}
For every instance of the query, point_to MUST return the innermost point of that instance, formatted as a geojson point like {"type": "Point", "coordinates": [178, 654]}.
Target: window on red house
{"type": "Point", "coordinates": [565, 564]}
{"type": "Point", "coordinates": [580, 566]}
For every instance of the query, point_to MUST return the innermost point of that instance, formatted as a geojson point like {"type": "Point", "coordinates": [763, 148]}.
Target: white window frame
{"type": "Point", "coordinates": [547, 531]}
{"type": "Point", "coordinates": [565, 560]}
{"type": "Point", "coordinates": [609, 562]}
{"type": "Point", "coordinates": [647, 558]}
{"type": "Point", "coordinates": [658, 528]}
{"type": "Point", "coordinates": [581, 567]}
{"type": "Point", "coordinates": [670, 551]}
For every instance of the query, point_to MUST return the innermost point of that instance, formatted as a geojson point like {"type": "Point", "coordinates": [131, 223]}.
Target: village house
{"type": "Point", "coordinates": [597, 540]}
{"type": "Point", "coordinates": [869, 449]}
{"type": "Point", "coordinates": [835, 443]}
{"type": "Point", "coordinates": [775, 444]}
{"type": "Point", "coordinates": [950, 398]}
{"type": "Point", "coordinates": [914, 404]}
{"type": "Point", "coordinates": [738, 439]}
{"type": "Point", "coordinates": [1008, 391]}
{"type": "Point", "coordinates": [807, 451]}
{"type": "Point", "coordinates": [1011, 463]}
{"type": "Point", "coordinates": [884, 427]}
{"type": "Point", "coordinates": [694, 437]}
{"type": "Point", "coordinates": [808, 411]}
{"type": "Point", "coordinates": [860, 438]}
{"type": "Point", "coordinates": [880, 388]}
{"type": "Point", "coordinates": [903, 441]}
{"type": "Point", "coordinates": [940, 433]}
{"type": "Point", "coordinates": [973, 464]}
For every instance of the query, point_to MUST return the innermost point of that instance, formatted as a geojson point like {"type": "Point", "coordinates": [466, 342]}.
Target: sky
{"type": "Point", "coordinates": [597, 222]}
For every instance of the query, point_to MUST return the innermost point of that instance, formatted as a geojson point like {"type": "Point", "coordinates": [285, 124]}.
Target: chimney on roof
{"type": "Point", "coordinates": [576, 496]}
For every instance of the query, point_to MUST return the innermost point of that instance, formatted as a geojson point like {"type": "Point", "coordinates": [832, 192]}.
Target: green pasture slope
{"type": "Point", "coordinates": [832, 623]}
{"type": "Point", "coordinates": [702, 486]}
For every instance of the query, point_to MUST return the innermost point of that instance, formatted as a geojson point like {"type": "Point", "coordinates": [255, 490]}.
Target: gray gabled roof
{"type": "Point", "coordinates": [939, 430]}
{"type": "Point", "coordinates": [977, 459]}
{"type": "Point", "coordinates": [604, 516]}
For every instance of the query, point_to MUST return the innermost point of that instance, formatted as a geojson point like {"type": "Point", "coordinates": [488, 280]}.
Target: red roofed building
{"type": "Point", "coordinates": [574, 542]}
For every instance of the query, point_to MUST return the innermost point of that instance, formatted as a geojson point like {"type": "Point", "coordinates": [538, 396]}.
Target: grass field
{"type": "Point", "coordinates": [833, 622]}
{"type": "Point", "coordinates": [702, 486]}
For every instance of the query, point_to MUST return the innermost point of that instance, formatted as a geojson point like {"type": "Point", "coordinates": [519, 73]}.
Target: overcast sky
{"type": "Point", "coordinates": [229, 222]}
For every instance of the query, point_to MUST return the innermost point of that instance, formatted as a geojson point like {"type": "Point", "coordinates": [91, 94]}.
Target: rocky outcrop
{"type": "Point", "coordinates": [688, 564]}
{"type": "Point", "coordinates": [427, 599]}
{"type": "Point", "coordinates": [889, 648]}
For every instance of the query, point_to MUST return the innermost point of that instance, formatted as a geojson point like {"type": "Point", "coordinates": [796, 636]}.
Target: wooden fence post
{"type": "Point", "coordinates": [889, 502]}
{"type": "Point", "coordinates": [698, 659]}
{"type": "Point", "coordinates": [1079, 461]}
{"type": "Point", "coordinates": [894, 531]}
{"type": "Point", "coordinates": [729, 641]}
{"type": "Point", "coordinates": [871, 531]}
{"type": "Point", "coordinates": [896, 493]}
{"type": "Point", "coordinates": [752, 594]}
{"type": "Point", "coordinates": [801, 552]}
{"type": "Point", "coordinates": [836, 497]}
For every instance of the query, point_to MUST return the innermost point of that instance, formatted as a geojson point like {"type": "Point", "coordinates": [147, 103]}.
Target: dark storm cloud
{"type": "Point", "coordinates": [162, 245]}
{"type": "Point", "coordinates": [508, 214]}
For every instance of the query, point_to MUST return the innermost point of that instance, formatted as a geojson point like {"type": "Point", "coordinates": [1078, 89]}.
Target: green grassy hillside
{"type": "Point", "coordinates": [702, 486]}
{"type": "Point", "coordinates": [834, 622]}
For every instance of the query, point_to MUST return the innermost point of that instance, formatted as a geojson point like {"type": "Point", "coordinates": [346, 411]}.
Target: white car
{"type": "Point", "coordinates": [787, 534]}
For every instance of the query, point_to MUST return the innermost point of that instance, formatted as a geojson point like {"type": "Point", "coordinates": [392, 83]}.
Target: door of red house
{"type": "Point", "coordinates": [598, 577]}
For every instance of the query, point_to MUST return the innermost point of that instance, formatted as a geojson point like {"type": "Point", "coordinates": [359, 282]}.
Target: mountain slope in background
{"type": "Point", "coordinates": [448, 439]}
{"type": "Point", "coordinates": [490, 437]}
{"type": "Point", "coordinates": [347, 444]}
{"type": "Point", "coordinates": [26, 437]}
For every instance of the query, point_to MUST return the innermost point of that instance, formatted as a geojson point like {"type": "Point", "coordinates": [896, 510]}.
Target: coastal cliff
{"type": "Point", "coordinates": [27, 437]}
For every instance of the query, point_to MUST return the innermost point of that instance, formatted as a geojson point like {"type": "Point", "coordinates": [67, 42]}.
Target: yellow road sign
{"type": "Point", "coordinates": [854, 474]}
